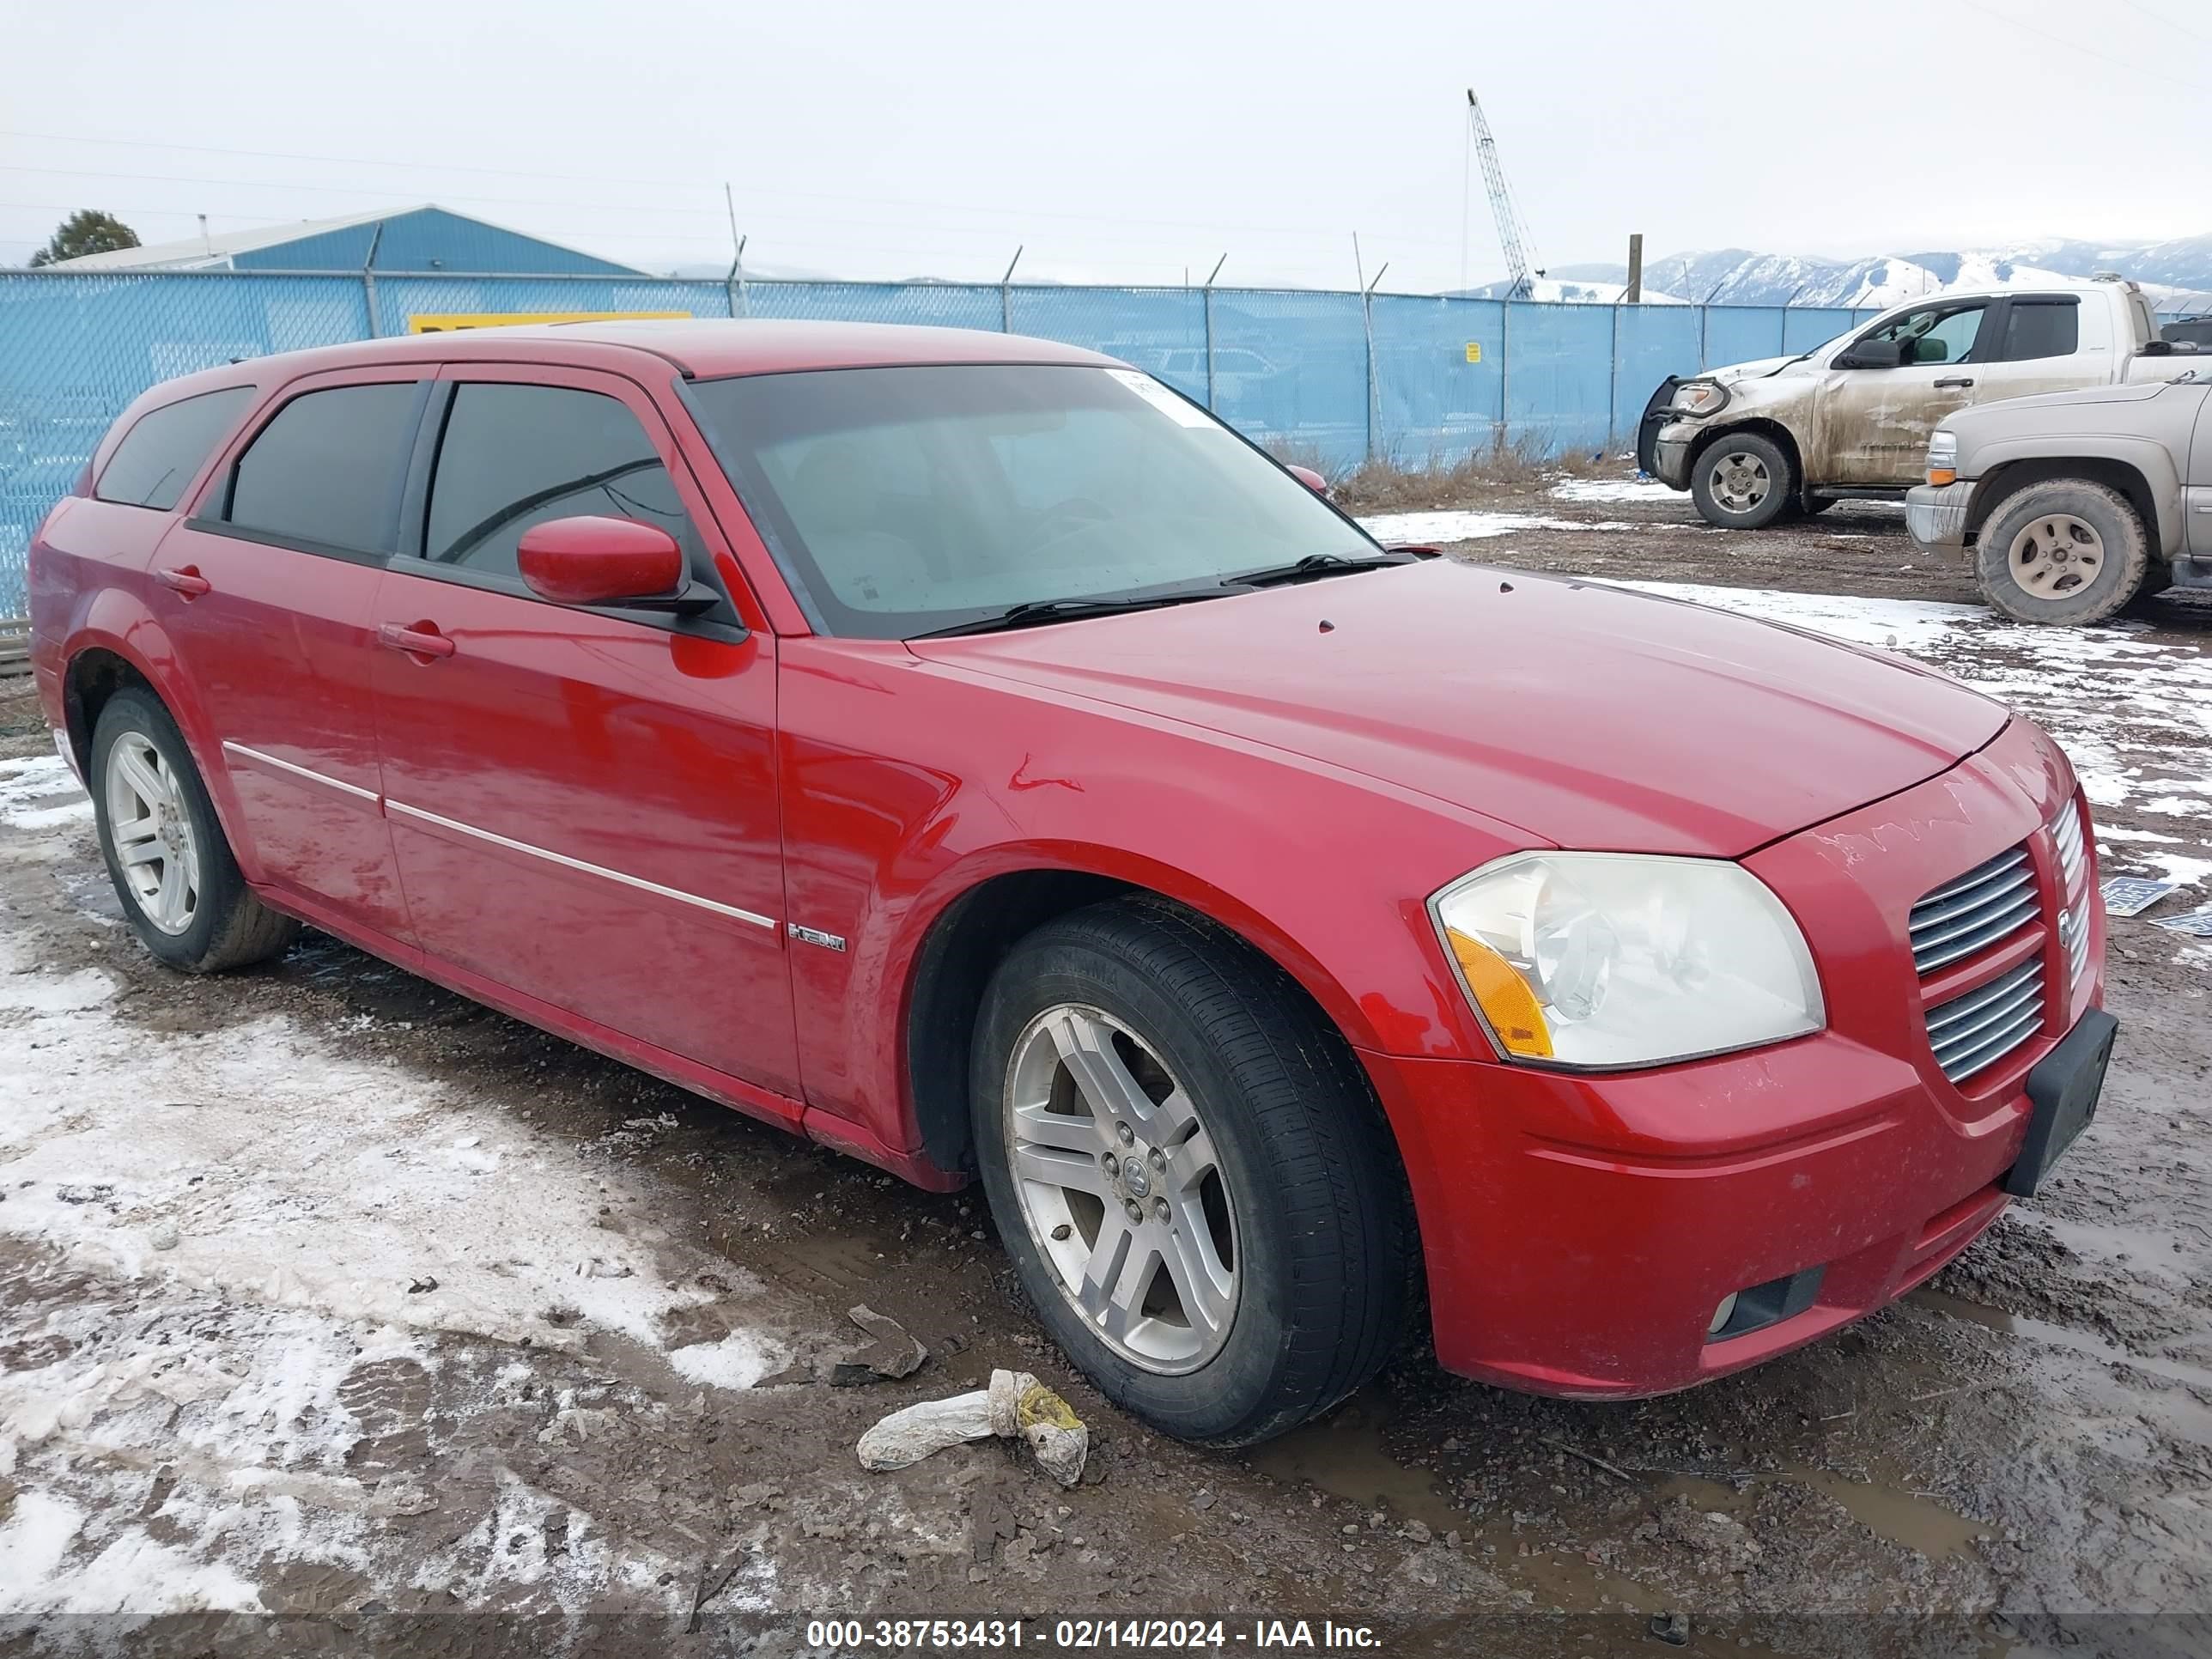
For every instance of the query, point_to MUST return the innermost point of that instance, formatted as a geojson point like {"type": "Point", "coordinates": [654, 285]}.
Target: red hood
{"type": "Point", "coordinates": [1589, 715]}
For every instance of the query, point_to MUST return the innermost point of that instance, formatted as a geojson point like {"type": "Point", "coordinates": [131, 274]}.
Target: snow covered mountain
{"type": "Point", "coordinates": [2169, 270]}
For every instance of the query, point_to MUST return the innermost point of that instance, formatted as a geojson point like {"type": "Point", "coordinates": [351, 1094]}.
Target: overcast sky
{"type": "Point", "coordinates": [1125, 142]}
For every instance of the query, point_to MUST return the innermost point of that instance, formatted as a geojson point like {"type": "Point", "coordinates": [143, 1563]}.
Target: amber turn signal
{"type": "Point", "coordinates": [1503, 997]}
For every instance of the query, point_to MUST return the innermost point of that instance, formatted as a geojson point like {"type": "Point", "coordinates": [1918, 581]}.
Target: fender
{"type": "Point", "coordinates": [2146, 456]}
{"type": "Point", "coordinates": [1250, 923]}
{"type": "Point", "coordinates": [957, 788]}
{"type": "Point", "coordinates": [112, 619]}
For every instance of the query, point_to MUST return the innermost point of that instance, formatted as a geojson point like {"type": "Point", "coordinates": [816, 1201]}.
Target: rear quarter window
{"type": "Point", "coordinates": [329, 467]}
{"type": "Point", "coordinates": [2042, 328]}
{"type": "Point", "coordinates": [166, 447]}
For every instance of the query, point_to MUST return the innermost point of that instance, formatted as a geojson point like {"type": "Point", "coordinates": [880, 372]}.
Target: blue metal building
{"type": "Point", "coordinates": [427, 240]}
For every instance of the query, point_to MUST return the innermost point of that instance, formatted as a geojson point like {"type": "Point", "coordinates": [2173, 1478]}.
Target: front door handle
{"type": "Point", "coordinates": [1940, 385]}
{"type": "Point", "coordinates": [419, 640]}
{"type": "Point", "coordinates": [187, 579]}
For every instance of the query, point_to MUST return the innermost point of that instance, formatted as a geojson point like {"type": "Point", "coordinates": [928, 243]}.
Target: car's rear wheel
{"type": "Point", "coordinates": [1190, 1173]}
{"type": "Point", "coordinates": [166, 853]}
{"type": "Point", "coordinates": [1741, 481]}
{"type": "Point", "coordinates": [2064, 550]}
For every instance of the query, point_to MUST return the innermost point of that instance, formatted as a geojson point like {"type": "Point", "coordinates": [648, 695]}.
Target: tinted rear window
{"type": "Point", "coordinates": [2042, 328]}
{"type": "Point", "coordinates": [329, 468]}
{"type": "Point", "coordinates": [167, 447]}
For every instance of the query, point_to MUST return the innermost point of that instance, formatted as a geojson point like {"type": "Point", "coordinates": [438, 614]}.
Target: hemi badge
{"type": "Point", "coordinates": [816, 936]}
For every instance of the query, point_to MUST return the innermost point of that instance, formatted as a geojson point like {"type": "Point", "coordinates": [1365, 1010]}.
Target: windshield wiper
{"type": "Point", "coordinates": [1031, 611]}
{"type": "Point", "coordinates": [1315, 565]}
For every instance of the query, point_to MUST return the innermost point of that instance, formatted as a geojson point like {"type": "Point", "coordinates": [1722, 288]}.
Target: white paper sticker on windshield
{"type": "Point", "coordinates": [1183, 413]}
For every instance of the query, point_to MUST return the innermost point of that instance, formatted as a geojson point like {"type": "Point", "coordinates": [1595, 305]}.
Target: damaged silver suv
{"type": "Point", "coordinates": [2072, 504]}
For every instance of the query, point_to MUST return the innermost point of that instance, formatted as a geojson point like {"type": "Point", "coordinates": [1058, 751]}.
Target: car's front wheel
{"type": "Point", "coordinates": [181, 887]}
{"type": "Point", "coordinates": [1741, 481]}
{"type": "Point", "coordinates": [1190, 1173]}
{"type": "Point", "coordinates": [2064, 550]}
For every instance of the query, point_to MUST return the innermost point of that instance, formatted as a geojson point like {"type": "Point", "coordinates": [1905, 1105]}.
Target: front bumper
{"type": "Point", "coordinates": [1670, 454]}
{"type": "Point", "coordinates": [1935, 514]}
{"type": "Point", "coordinates": [1580, 1231]}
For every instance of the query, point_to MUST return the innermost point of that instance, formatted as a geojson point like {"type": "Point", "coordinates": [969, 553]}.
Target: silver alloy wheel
{"type": "Point", "coordinates": [1740, 481]}
{"type": "Point", "coordinates": [152, 833]}
{"type": "Point", "coordinates": [1122, 1189]}
{"type": "Point", "coordinates": [2056, 554]}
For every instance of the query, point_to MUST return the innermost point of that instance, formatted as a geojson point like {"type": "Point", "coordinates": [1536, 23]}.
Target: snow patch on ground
{"type": "Point", "coordinates": [1615, 490]}
{"type": "Point", "coordinates": [38, 792]}
{"type": "Point", "coordinates": [302, 1177]}
{"type": "Point", "coordinates": [1424, 529]}
{"type": "Point", "coordinates": [738, 1361]}
{"type": "Point", "coordinates": [244, 1218]}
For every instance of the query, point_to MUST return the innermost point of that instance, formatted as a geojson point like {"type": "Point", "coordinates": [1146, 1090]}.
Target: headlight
{"type": "Point", "coordinates": [1609, 959]}
{"type": "Point", "coordinates": [1942, 457]}
{"type": "Point", "coordinates": [1700, 397]}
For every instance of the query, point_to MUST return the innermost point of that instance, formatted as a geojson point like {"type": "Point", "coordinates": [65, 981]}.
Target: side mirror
{"type": "Point", "coordinates": [1312, 479]}
{"type": "Point", "coordinates": [1876, 354]}
{"type": "Point", "coordinates": [597, 561]}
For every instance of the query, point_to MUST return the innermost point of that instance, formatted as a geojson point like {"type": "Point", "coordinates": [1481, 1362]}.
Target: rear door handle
{"type": "Point", "coordinates": [1940, 385]}
{"type": "Point", "coordinates": [420, 639]}
{"type": "Point", "coordinates": [187, 579]}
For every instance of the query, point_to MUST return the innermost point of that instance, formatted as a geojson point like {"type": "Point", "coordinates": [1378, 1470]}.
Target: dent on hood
{"type": "Point", "coordinates": [1758, 368]}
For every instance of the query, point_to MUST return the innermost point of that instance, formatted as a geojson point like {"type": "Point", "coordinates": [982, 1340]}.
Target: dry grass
{"type": "Point", "coordinates": [1394, 484]}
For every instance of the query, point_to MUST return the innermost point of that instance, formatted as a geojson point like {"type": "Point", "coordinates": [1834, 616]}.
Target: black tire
{"type": "Point", "coordinates": [1326, 1253]}
{"type": "Point", "coordinates": [228, 926]}
{"type": "Point", "coordinates": [2024, 523]}
{"type": "Point", "coordinates": [1748, 454]}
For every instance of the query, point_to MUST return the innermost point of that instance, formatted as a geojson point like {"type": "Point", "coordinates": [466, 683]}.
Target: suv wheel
{"type": "Point", "coordinates": [1741, 481]}
{"type": "Point", "coordinates": [1190, 1172]}
{"type": "Point", "coordinates": [166, 853]}
{"type": "Point", "coordinates": [2064, 550]}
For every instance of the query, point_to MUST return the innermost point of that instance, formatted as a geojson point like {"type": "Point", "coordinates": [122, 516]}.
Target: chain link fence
{"type": "Point", "coordinates": [1329, 378]}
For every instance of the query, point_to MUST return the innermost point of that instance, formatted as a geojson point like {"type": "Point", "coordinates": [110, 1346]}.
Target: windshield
{"type": "Point", "coordinates": [904, 501]}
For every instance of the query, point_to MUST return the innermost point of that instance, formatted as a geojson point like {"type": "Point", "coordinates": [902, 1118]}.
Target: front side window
{"type": "Point", "coordinates": [329, 468]}
{"type": "Point", "coordinates": [1935, 334]}
{"type": "Point", "coordinates": [905, 500]}
{"type": "Point", "coordinates": [2042, 328]}
{"type": "Point", "coordinates": [514, 456]}
{"type": "Point", "coordinates": [165, 449]}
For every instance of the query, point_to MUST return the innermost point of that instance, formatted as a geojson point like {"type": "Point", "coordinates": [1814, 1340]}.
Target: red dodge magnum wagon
{"type": "Point", "coordinates": [965, 752]}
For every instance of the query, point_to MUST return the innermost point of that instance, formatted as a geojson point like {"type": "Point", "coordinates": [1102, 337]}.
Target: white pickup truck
{"type": "Point", "coordinates": [1851, 418]}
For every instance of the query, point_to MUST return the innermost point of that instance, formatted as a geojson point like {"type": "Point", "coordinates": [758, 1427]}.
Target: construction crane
{"type": "Point", "coordinates": [1511, 232]}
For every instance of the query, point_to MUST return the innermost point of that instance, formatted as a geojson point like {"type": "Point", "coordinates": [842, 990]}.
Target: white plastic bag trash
{"type": "Point", "coordinates": [1016, 1405]}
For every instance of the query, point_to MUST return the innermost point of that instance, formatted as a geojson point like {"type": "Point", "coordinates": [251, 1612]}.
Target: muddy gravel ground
{"type": "Point", "coordinates": [338, 1314]}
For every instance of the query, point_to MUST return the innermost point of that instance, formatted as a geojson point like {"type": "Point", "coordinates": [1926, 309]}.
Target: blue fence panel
{"type": "Point", "coordinates": [1558, 379]}
{"type": "Point", "coordinates": [1290, 370]}
{"type": "Point", "coordinates": [1442, 379]}
{"type": "Point", "coordinates": [76, 350]}
{"type": "Point", "coordinates": [400, 301]}
{"type": "Point", "coordinates": [1739, 334]}
{"type": "Point", "coordinates": [1807, 327]}
{"type": "Point", "coordinates": [1160, 330]}
{"type": "Point", "coordinates": [1650, 343]}
{"type": "Point", "coordinates": [1438, 380]}
{"type": "Point", "coordinates": [941, 305]}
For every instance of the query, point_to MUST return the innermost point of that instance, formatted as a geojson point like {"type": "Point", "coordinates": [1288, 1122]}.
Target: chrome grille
{"type": "Point", "coordinates": [2066, 839]}
{"type": "Point", "coordinates": [1971, 1032]}
{"type": "Point", "coordinates": [1989, 902]}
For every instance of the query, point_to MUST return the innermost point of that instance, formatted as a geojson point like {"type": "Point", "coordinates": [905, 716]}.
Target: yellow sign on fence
{"type": "Point", "coordinates": [1474, 351]}
{"type": "Point", "coordinates": [441, 322]}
